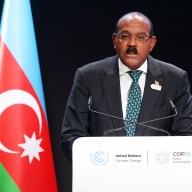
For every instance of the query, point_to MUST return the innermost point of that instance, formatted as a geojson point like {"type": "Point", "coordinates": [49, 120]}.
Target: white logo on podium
{"type": "Point", "coordinates": [99, 157]}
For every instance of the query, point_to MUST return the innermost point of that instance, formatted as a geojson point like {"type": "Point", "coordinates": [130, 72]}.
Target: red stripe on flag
{"type": "Point", "coordinates": [31, 166]}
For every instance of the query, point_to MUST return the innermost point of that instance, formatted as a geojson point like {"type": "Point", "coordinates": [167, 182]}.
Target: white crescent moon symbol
{"type": "Point", "coordinates": [12, 97]}
{"type": "Point", "coordinates": [5, 149]}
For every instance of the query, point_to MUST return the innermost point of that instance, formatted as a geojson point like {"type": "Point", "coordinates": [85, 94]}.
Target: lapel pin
{"type": "Point", "coordinates": [156, 86]}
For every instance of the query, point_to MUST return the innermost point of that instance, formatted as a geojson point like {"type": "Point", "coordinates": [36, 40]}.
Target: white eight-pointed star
{"type": "Point", "coordinates": [31, 147]}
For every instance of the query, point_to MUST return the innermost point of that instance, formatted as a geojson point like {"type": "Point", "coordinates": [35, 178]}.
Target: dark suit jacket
{"type": "Point", "coordinates": [101, 81]}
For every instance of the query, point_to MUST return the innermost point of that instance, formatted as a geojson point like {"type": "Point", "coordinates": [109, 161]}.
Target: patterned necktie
{"type": "Point", "coordinates": [133, 103]}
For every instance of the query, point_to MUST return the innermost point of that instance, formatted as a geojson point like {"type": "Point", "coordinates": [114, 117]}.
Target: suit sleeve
{"type": "Point", "coordinates": [182, 123]}
{"type": "Point", "coordinates": [76, 117]}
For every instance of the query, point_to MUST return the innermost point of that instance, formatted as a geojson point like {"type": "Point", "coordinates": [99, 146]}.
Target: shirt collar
{"type": "Point", "coordinates": [123, 68]}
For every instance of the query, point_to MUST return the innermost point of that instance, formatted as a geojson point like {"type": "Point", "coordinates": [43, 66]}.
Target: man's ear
{"type": "Point", "coordinates": [114, 39]}
{"type": "Point", "coordinates": [153, 42]}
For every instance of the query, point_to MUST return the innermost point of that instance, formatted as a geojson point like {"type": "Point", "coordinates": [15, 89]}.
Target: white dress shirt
{"type": "Point", "coordinates": [126, 80]}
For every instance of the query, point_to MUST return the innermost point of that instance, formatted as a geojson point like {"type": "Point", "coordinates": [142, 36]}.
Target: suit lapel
{"type": "Point", "coordinates": [150, 95]}
{"type": "Point", "coordinates": [111, 87]}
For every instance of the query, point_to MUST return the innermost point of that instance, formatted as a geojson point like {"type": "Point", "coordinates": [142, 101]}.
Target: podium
{"type": "Point", "coordinates": [132, 164]}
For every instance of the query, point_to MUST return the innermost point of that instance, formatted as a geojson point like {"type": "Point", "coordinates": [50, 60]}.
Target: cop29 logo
{"type": "Point", "coordinates": [99, 157]}
{"type": "Point", "coordinates": [181, 154]}
{"type": "Point", "coordinates": [162, 157]}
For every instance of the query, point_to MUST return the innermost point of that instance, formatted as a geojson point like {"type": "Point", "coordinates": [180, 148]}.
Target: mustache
{"type": "Point", "coordinates": [131, 50]}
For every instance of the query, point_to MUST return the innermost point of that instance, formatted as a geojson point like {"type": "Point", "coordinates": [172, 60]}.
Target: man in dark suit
{"type": "Point", "coordinates": [108, 83]}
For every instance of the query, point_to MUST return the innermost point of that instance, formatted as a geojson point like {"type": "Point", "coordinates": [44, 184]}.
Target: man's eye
{"type": "Point", "coordinates": [140, 37]}
{"type": "Point", "coordinates": [125, 36]}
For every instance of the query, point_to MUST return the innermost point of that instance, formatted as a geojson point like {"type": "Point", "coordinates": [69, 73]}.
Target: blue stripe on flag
{"type": "Point", "coordinates": [18, 35]}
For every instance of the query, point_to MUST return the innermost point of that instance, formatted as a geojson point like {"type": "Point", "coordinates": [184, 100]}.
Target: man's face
{"type": "Point", "coordinates": [133, 42]}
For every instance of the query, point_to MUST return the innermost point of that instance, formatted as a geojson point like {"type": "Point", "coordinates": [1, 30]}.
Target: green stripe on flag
{"type": "Point", "coordinates": [6, 182]}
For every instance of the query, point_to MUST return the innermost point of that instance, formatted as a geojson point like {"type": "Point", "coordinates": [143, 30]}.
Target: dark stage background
{"type": "Point", "coordinates": [71, 33]}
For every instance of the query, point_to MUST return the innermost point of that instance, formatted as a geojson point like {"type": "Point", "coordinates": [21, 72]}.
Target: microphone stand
{"type": "Point", "coordinates": [137, 123]}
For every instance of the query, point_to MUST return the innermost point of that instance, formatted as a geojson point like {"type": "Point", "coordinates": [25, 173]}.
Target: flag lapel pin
{"type": "Point", "coordinates": [156, 86]}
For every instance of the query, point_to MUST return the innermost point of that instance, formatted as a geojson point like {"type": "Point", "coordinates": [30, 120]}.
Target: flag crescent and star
{"type": "Point", "coordinates": [13, 97]}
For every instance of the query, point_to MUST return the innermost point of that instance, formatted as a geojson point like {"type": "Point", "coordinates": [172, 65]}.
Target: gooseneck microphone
{"type": "Point", "coordinates": [136, 123]}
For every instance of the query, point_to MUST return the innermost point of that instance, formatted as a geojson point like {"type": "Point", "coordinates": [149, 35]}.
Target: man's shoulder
{"type": "Point", "coordinates": [100, 64]}
{"type": "Point", "coordinates": [166, 66]}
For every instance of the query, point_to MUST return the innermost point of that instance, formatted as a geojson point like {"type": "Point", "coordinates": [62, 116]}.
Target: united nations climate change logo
{"type": "Point", "coordinates": [162, 157]}
{"type": "Point", "coordinates": [99, 157]}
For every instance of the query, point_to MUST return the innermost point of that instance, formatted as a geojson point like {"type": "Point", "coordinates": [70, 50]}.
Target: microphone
{"type": "Point", "coordinates": [136, 123]}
